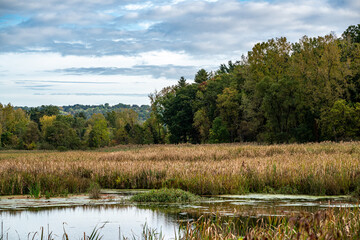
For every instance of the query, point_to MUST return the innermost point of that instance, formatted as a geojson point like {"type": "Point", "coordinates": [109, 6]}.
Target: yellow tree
{"type": "Point", "coordinates": [13, 123]}
{"type": "Point", "coordinates": [46, 122]}
{"type": "Point", "coordinates": [99, 135]}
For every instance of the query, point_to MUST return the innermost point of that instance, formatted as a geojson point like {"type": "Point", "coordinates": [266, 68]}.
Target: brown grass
{"type": "Point", "coordinates": [325, 168]}
{"type": "Point", "coordinates": [326, 224]}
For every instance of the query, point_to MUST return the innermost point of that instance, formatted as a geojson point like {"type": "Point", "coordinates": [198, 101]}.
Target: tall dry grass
{"type": "Point", "coordinates": [323, 168]}
{"type": "Point", "coordinates": [326, 224]}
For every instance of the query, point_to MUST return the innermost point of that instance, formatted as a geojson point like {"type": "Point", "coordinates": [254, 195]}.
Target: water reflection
{"type": "Point", "coordinates": [128, 220]}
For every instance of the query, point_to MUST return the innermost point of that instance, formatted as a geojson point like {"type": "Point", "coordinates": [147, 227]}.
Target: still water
{"type": "Point", "coordinates": [21, 218]}
{"type": "Point", "coordinates": [126, 221]}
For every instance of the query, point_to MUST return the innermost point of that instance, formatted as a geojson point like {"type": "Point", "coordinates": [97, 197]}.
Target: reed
{"type": "Point", "coordinates": [42, 235]}
{"type": "Point", "coordinates": [318, 169]}
{"type": "Point", "coordinates": [35, 191]}
{"type": "Point", "coordinates": [325, 224]}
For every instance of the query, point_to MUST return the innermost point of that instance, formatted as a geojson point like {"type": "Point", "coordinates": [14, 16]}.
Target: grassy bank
{"type": "Point", "coordinates": [325, 168]}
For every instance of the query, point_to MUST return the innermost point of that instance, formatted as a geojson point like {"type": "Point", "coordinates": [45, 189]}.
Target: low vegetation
{"type": "Point", "coordinates": [325, 224]}
{"type": "Point", "coordinates": [42, 235]}
{"type": "Point", "coordinates": [165, 195]}
{"type": "Point", "coordinates": [315, 169]}
{"type": "Point", "coordinates": [94, 191]}
{"type": "Point", "coordinates": [34, 191]}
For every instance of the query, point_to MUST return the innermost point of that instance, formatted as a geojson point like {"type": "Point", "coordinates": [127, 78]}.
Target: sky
{"type": "Point", "coordinates": [65, 52]}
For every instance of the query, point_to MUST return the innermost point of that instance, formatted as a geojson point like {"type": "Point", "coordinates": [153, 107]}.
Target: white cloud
{"type": "Point", "coordinates": [140, 6]}
{"type": "Point", "coordinates": [33, 74]}
{"type": "Point", "coordinates": [75, 34]}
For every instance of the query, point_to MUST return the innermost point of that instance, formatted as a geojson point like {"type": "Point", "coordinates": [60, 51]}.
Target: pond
{"type": "Point", "coordinates": [79, 214]}
{"type": "Point", "coordinates": [119, 221]}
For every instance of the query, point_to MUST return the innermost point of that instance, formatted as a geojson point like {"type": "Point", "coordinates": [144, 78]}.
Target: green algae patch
{"type": "Point", "coordinates": [165, 195]}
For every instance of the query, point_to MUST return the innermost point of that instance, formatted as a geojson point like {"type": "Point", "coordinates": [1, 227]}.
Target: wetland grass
{"type": "Point", "coordinates": [41, 235]}
{"type": "Point", "coordinates": [94, 191]}
{"type": "Point", "coordinates": [343, 223]}
{"type": "Point", "coordinates": [314, 169]}
{"type": "Point", "coordinates": [35, 190]}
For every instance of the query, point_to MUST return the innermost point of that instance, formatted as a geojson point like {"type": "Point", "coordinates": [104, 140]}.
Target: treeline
{"type": "Point", "coordinates": [143, 111]}
{"type": "Point", "coordinates": [281, 92]}
{"type": "Point", "coordinates": [46, 127]}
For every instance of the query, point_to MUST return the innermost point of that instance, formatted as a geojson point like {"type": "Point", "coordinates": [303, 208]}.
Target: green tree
{"type": "Point", "coordinates": [111, 118]}
{"type": "Point", "coordinates": [38, 112]}
{"type": "Point", "coordinates": [268, 61]}
{"type": "Point", "coordinates": [127, 127]}
{"type": "Point", "coordinates": [352, 33]}
{"type": "Point", "coordinates": [219, 132]}
{"type": "Point", "coordinates": [136, 134]}
{"type": "Point", "coordinates": [202, 124]}
{"type": "Point", "coordinates": [14, 122]}
{"type": "Point", "coordinates": [60, 135]}
{"type": "Point", "coordinates": [99, 134]}
{"type": "Point", "coordinates": [178, 114]}
{"type": "Point", "coordinates": [350, 57]}
{"type": "Point", "coordinates": [280, 108]}
{"type": "Point", "coordinates": [228, 104]}
{"type": "Point", "coordinates": [182, 82]}
{"type": "Point", "coordinates": [32, 136]}
{"type": "Point", "coordinates": [208, 92]}
{"type": "Point", "coordinates": [148, 137]}
{"type": "Point", "coordinates": [122, 136]}
{"type": "Point", "coordinates": [201, 76]}
{"type": "Point", "coordinates": [341, 122]}
{"type": "Point", "coordinates": [79, 125]}
{"type": "Point", "coordinates": [321, 76]}
{"type": "Point", "coordinates": [154, 131]}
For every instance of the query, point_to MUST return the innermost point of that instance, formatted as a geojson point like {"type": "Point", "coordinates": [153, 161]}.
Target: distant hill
{"type": "Point", "coordinates": [89, 110]}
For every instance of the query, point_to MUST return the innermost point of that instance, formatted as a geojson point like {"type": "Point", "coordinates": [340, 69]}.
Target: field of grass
{"type": "Point", "coordinates": [319, 169]}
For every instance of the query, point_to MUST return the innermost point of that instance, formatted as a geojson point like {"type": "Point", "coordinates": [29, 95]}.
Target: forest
{"type": "Point", "coordinates": [280, 92]}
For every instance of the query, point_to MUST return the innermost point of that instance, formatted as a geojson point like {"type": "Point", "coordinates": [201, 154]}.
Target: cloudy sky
{"type": "Point", "coordinates": [65, 52]}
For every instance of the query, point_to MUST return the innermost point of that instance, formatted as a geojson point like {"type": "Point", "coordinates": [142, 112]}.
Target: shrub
{"type": "Point", "coordinates": [94, 191]}
{"type": "Point", "coordinates": [35, 190]}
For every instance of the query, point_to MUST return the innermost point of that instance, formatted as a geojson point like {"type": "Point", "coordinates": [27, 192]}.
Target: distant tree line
{"type": "Point", "coordinates": [88, 110]}
{"type": "Point", "coordinates": [46, 127]}
{"type": "Point", "coordinates": [281, 92]}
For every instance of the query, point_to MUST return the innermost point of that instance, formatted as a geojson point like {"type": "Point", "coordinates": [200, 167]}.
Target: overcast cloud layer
{"type": "Point", "coordinates": [98, 51]}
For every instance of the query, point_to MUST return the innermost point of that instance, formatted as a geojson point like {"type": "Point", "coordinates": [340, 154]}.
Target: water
{"type": "Point", "coordinates": [77, 220]}
{"type": "Point", "coordinates": [80, 214]}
